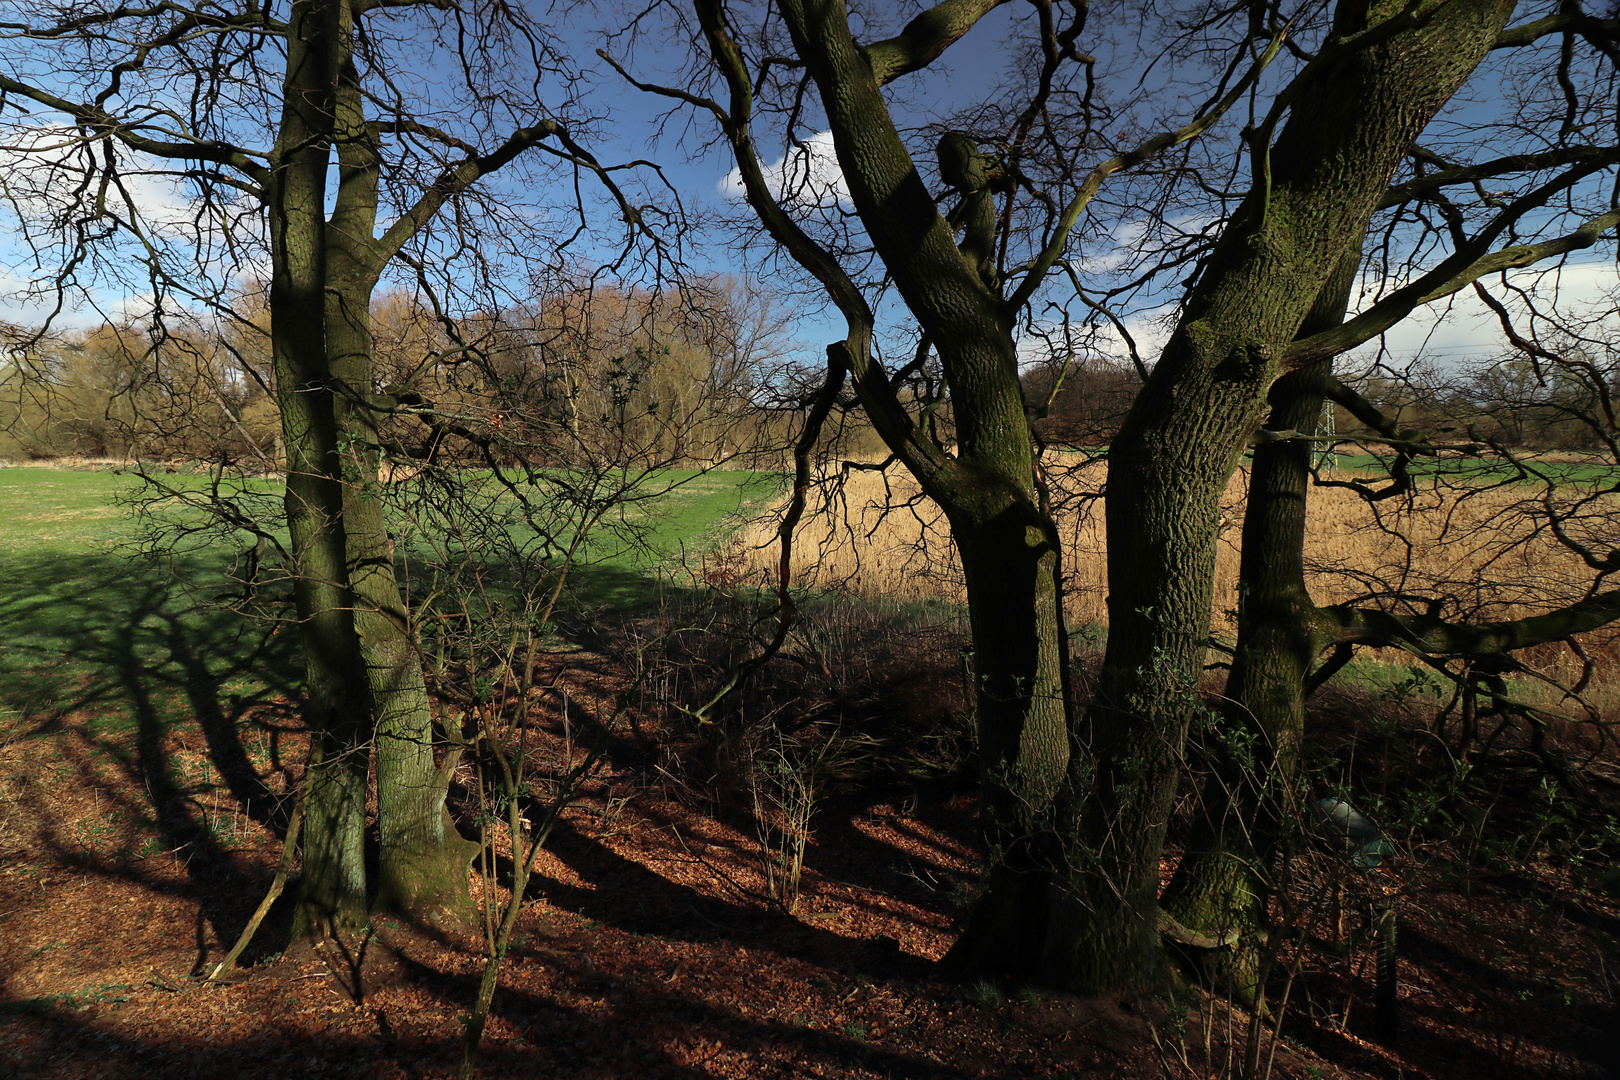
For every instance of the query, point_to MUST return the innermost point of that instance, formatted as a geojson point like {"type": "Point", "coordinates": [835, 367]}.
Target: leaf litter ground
{"type": "Point", "coordinates": [131, 858]}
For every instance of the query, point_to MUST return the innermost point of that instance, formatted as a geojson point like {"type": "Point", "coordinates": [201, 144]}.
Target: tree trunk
{"type": "Point", "coordinates": [1222, 883]}
{"type": "Point", "coordinates": [332, 890]}
{"type": "Point", "coordinates": [989, 491]}
{"type": "Point", "coordinates": [1020, 666]}
{"type": "Point", "coordinates": [1082, 877]}
{"type": "Point", "coordinates": [1354, 116]}
{"type": "Point", "coordinates": [423, 860]}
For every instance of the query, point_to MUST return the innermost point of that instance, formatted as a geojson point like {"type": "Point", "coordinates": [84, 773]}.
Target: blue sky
{"type": "Point", "coordinates": [1449, 333]}
{"type": "Point", "coordinates": [1464, 329]}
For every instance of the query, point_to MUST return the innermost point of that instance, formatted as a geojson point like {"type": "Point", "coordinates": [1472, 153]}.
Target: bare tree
{"type": "Point", "coordinates": [1075, 809]}
{"type": "Point", "coordinates": [1551, 203]}
{"type": "Point", "coordinates": [251, 112]}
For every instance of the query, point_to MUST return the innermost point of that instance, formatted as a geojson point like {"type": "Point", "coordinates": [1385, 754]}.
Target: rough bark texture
{"type": "Point", "coordinates": [1222, 882]}
{"type": "Point", "coordinates": [322, 276]}
{"type": "Point", "coordinates": [1355, 112]}
{"type": "Point", "coordinates": [1015, 611]}
{"type": "Point", "coordinates": [332, 889]}
{"type": "Point", "coordinates": [423, 861]}
{"type": "Point", "coordinates": [989, 491]}
{"type": "Point", "coordinates": [1073, 895]}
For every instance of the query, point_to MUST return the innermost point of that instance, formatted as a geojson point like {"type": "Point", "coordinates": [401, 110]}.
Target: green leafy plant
{"type": "Point", "coordinates": [985, 994]}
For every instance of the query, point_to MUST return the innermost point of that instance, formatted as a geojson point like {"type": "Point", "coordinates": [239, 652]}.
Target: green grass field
{"type": "Point", "coordinates": [1486, 471]}
{"type": "Point", "coordinates": [88, 621]}
{"type": "Point", "coordinates": [1459, 469]}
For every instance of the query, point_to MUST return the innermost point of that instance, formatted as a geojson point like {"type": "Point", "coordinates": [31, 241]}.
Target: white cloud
{"type": "Point", "coordinates": [50, 179]}
{"type": "Point", "coordinates": [1149, 330]}
{"type": "Point", "coordinates": [1449, 333]}
{"type": "Point", "coordinates": [808, 175]}
{"type": "Point", "coordinates": [48, 172]}
{"type": "Point", "coordinates": [1462, 329]}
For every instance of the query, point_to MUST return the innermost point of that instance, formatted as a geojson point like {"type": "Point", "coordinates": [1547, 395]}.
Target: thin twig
{"type": "Point", "coordinates": [287, 849]}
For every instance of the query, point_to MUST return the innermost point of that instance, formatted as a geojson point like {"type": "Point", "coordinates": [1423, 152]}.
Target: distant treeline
{"type": "Point", "coordinates": [1515, 403]}
{"type": "Point", "coordinates": [705, 376]}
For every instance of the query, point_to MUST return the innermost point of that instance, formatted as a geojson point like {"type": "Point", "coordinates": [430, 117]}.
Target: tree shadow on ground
{"type": "Point", "coordinates": [622, 1031]}
{"type": "Point", "coordinates": [633, 898]}
{"type": "Point", "coordinates": [121, 666]}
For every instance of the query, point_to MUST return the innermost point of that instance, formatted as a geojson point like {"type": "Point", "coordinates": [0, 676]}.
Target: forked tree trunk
{"type": "Point", "coordinates": [423, 861]}
{"type": "Point", "coordinates": [1348, 127]}
{"type": "Point", "coordinates": [1074, 893]}
{"type": "Point", "coordinates": [332, 889]}
{"type": "Point", "coordinates": [989, 491]}
{"type": "Point", "coordinates": [1222, 882]}
{"type": "Point", "coordinates": [326, 272]}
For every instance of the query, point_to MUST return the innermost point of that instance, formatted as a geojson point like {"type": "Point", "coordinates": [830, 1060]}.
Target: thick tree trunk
{"type": "Point", "coordinates": [1011, 565]}
{"type": "Point", "coordinates": [332, 890]}
{"type": "Point", "coordinates": [423, 860]}
{"type": "Point", "coordinates": [1084, 880]}
{"type": "Point", "coordinates": [1353, 117]}
{"type": "Point", "coordinates": [1019, 663]}
{"type": "Point", "coordinates": [1222, 883]}
{"type": "Point", "coordinates": [989, 491]}
{"type": "Point", "coordinates": [326, 273]}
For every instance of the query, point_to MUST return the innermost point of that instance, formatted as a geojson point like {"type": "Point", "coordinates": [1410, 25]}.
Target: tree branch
{"type": "Point", "coordinates": [456, 179]}
{"type": "Point", "coordinates": [884, 407]}
{"type": "Point", "coordinates": [1430, 636]}
{"type": "Point", "coordinates": [1517, 163]}
{"type": "Point", "coordinates": [257, 18]}
{"type": "Point", "coordinates": [1563, 22]}
{"type": "Point", "coordinates": [104, 123]}
{"type": "Point", "coordinates": [1470, 262]}
{"type": "Point", "coordinates": [925, 38]}
{"type": "Point", "coordinates": [1093, 182]}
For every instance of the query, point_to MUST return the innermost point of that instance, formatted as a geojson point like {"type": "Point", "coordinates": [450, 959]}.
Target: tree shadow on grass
{"type": "Point", "coordinates": [85, 632]}
{"type": "Point", "coordinates": [118, 662]}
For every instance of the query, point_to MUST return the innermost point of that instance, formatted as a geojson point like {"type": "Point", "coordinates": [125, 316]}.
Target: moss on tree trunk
{"type": "Point", "coordinates": [1014, 603]}
{"type": "Point", "coordinates": [332, 890]}
{"type": "Point", "coordinates": [1350, 121]}
{"type": "Point", "coordinates": [422, 859]}
{"type": "Point", "coordinates": [1223, 880]}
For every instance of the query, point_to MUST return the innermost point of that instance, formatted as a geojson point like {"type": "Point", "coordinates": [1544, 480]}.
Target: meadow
{"type": "Point", "coordinates": [96, 615]}
{"type": "Point", "coordinates": [1461, 533]}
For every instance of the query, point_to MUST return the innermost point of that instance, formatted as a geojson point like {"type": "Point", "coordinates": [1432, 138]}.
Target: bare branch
{"type": "Point", "coordinates": [1146, 150]}
{"type": "Point", "coordinates": [925, 38]}
{"type": "Point", "coordinates": [1468, 264]}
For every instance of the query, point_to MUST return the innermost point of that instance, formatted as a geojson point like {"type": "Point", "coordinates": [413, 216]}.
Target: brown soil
{"type": "Point", "coordinates": [129, 863]}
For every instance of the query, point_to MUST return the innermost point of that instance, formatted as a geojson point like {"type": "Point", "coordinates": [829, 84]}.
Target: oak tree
{"type": "Point", "coordinates": [1338, 99]}
{"type": "Point", "coordinates": [318, 143]}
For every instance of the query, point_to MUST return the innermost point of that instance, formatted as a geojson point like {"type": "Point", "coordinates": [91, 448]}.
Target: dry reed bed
{"type": "Point", "coordinates": [1486, 547]}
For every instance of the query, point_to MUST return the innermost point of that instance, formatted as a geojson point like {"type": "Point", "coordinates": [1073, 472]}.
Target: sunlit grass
{"type": "Point", "coordinates": [1537, 469]}
{"type": "Point", "coordinates": [94, 618]}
